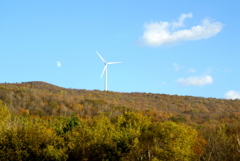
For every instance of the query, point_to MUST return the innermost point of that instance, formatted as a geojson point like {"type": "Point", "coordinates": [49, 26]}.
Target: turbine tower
{"type": "Point", "coordinates": [105, 69]}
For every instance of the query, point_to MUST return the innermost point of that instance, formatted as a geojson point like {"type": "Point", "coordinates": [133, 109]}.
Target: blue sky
{"type": "Point", "coordinates": [171, 47]}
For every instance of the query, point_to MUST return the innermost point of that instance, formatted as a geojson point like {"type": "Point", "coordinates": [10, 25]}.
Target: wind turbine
{"type": "Point", "coordinates": [105, 69]}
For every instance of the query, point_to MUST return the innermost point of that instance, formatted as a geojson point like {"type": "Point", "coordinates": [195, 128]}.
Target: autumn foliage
{"type": "Point", "coordinates": [40, 121]}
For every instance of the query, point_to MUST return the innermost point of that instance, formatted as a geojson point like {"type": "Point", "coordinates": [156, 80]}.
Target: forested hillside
{"type": "Point", "coordinates": [47, 122]}
{"type": "Point", "coordinates": [44, 99]}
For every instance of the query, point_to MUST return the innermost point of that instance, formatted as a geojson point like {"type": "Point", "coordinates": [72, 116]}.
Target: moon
{"type": "Point", "coordinates": [58, 64]}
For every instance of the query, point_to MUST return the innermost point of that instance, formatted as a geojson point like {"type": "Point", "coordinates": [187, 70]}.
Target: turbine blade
{"type": "Point", "coordinates": [113, 62]}
{"type": "Point", "coordinates": [101, 57]}
{"type": "Point", "coordinates": [104, 69]}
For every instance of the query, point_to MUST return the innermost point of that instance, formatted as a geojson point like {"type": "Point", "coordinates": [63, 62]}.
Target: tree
{"type": "Point", "coordinates": [4, 114]}
{"type": "Point", "coordinates": [168, 141]}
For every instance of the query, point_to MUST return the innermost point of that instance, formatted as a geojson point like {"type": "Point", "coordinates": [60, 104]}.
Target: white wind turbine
{"type": "Point", "coordinates": [105, 69]}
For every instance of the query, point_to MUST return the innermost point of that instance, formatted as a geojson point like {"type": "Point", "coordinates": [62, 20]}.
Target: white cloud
{"type": "Point", "coordinates": [181, 19]}
{"type": "Point", "coordinates": [192, 70]}
{"type": "Point", "coordinates": [177, 67]}
{"type": "Point", "coordinates": [232, 95]}
{"type": "Point", "coordinates": [160, 33]}
{"type": "Point", "coordinates": [196, 80]}
{"type": "Point", "coordinates": [59, 64]}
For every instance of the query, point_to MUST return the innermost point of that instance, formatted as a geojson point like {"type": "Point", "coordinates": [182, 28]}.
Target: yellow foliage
{"type": "Point", "coordinates": [4, 114]}
{"type": "Point", "coordinates": [171, 141]}
{"type": "Point", "coordinates": [52, 153]}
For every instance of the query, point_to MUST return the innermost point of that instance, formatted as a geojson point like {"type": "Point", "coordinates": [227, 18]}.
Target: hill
{"type": "Point", "coordinates": [45, 99]}
{"type": "Point", "coordinates": [41, 121]}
